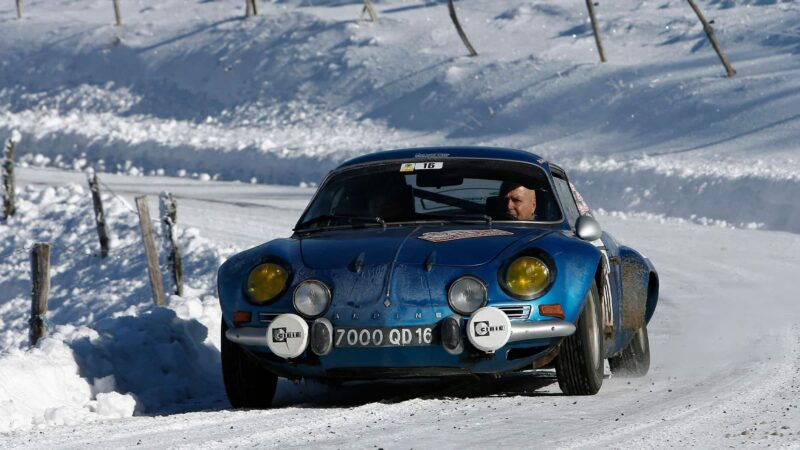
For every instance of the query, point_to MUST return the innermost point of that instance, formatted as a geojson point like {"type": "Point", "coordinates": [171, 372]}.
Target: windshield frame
{"type": "Point", "coordinates": [356, 167]}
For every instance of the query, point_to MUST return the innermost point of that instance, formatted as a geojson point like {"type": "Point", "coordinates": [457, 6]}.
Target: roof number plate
{"type": "Point", "coordinates": [411, 167]}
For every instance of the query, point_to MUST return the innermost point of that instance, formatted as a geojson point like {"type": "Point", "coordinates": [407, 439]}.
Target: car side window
{"type": "Point", "coordinates": [564, 194]}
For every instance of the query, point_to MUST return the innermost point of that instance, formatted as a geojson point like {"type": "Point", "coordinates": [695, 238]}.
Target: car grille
{"type": "Point", "coordinates": [520, 312]}
{"type": "Point", "coordinates": [267, 317]}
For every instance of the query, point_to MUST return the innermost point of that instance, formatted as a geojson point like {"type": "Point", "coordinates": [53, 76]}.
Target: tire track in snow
{"type": "Point", "coordinates": [736, 405]}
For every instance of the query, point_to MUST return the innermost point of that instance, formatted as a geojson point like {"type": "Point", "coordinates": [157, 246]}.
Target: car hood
{"type": "Point", "coordinates": [453, 245]}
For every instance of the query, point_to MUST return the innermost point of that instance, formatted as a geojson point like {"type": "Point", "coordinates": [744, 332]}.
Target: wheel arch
{"type": "Point", "coordinates": [636, 289]}
{"type": "Point", "coordinates": [606, 302]}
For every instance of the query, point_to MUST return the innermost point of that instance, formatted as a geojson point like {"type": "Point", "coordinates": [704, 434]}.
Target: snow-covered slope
{"type": "Point", "coordinates": [190, 87]}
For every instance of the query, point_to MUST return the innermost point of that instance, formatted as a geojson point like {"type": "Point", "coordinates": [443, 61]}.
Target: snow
{"type": "Point", "coordinates": [284, 96]}
{"type": "Point", "coordinates": [110, 349]}
{"type": "Point", "coordinates": [15, 136]}
{"type": "Point", "coordinates": [115, 405]}
{"type": "Point", "coordinates": [699, 171]}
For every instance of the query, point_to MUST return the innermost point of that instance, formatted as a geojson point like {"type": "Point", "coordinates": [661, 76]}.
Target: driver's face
{"type": "Point", "coordinates": [520, 203]}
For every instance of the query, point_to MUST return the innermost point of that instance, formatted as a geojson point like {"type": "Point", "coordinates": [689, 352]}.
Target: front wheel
{"type": "Point", "coordinates": [634, 360]}
{"type": "Point", "coordinates": [579, 365]}
{"type": "Point", "coordinates": [247, 383]}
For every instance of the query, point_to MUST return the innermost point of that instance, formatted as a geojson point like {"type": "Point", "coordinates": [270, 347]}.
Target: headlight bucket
{"type": "Point", "coordinates": [528, 276]}
{"type": "Point", "coordinates": [311, 298]}
{"type": "Point", "coordinates": [466, 295]}
{"type": "Point", "coordinates": [266, 282]}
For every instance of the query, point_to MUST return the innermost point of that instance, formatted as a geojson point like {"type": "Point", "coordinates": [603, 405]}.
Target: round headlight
{"type": "Point", "coordinates": [527, 276]}
{"type": "Point", "coordinates": [466, 295]}
{"type": "Point", "coordinates": [266, 281]}
{"type": "Point", "coordinates": [312, 298]}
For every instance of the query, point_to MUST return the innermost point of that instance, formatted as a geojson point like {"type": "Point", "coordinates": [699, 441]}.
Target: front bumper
{"type": "Point", "coordinates": [486, 342]}
{"type": "Point", "coordinates": [526, 331]}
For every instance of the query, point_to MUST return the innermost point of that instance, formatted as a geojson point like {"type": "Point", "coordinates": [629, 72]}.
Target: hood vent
{"type": "Point", "coordinates": [358, 264]}
{"type": "Point", "coordinates": [430, 261]}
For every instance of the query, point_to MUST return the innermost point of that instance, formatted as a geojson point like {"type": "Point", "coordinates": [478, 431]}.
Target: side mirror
{"type": "Point", "coordinates": [587, 228]}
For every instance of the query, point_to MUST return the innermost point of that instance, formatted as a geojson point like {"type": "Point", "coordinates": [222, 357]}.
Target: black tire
{"type": "Point", "coordinates": [579, 365]}
{"type": "Point", "coordinates": [247, 383]}
{"type": "Point", "coordinates": [634, 360]}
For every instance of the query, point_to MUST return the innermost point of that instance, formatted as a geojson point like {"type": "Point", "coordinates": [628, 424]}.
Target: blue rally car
{"type": "Point", "coordinates": [432, 263]}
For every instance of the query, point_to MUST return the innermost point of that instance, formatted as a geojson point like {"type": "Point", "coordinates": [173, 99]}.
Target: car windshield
{"type": "Point", "coordinates": [436, 190]}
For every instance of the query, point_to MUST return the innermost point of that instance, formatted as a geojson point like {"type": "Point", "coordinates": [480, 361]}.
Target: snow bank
{"type": "Point", "coordinates": [747, 201]}
{"type": "Point", "coordinates": [110, 352]}
{"type": "Point", "coordinates": [42, 385]}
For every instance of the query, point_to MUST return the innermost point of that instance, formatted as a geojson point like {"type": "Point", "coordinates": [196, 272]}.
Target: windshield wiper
{"type": "Point", "coordinates": [462, 218]}
{"type": "Point", "coordinates": [350, 219]}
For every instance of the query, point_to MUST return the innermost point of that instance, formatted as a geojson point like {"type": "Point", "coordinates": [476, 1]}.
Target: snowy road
{"type": "Point", "coordinates": [244, 214]}
{"type": "Point", "coordinates": [725, 342]}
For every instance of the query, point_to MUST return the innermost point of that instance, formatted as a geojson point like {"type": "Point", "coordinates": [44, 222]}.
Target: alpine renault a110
{"type": "Point", "coordinates": [415, 263]}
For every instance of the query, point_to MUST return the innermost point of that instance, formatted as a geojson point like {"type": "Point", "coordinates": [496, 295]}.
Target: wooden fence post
{"type": "Point", "coordinates": [40, 277]}
{"type": "Point", "coordinates": [369, 9]}
{"type": "Point", "coordinates": [168, 209]}
{"type": "Point", "coordinates": [99, 215]}
{"type": "Point", "coordinates": [153, 269]}
{"type": "Point", "coordinates": [117, 13]}
{"type": "Point", "coordinates": [460, 30]}
{"type": "Point", "coordinates": [9, 196]}
{"type": "Point", "coordinates": [713, 38]}
{"type": "Point", "coordinates": [19, 9]}
{"type": "Point", "coordinates": [251, 8]}
{"type": "Point", "coordinates": [596, 29]}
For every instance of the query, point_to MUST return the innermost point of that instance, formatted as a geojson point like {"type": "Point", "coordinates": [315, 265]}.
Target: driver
{"type": "Point", "coordinates": [393, 203]}
{"type": "Point", "coordinates": [519, 201]}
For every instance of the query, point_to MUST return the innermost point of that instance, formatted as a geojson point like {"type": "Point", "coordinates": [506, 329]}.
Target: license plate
{"type": "Point", "coordinates": [383, 337]}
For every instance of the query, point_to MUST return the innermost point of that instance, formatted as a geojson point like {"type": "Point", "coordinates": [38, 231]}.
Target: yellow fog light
{"type": "Point", "coordinates": [527, 277]}
{"type": "Point", "coordinates": [266, 281]}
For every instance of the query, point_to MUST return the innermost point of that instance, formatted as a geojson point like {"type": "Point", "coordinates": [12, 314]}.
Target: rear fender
{"type": "Point", "coordinates": [639, 295]}
{"type": "Point", "coordinates": [652, 296]}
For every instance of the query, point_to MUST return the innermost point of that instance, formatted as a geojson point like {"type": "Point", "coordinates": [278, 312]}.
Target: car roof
{"type": "Point", "coordinates": [428, 153]}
